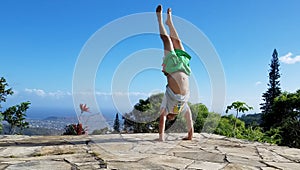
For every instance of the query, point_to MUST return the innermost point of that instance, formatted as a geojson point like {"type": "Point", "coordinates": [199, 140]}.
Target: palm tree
{"type": "Point", "coordinates": [238, 107]}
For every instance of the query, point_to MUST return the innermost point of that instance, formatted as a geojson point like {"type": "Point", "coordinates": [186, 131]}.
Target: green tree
{"type": "Point", "coordinates": [14, 115]}
{"type": "Point", "coordinates": [211, 122]}
{"type": "Point", "coordinates": [285, 106]}
{"type": "Point", "coordinates": [117, 123]}
{"type": "Point", "coordinates": [4, 92]}
{"type": "Point", "coordinates": [286, 116]}
{"type": "Point", "coordinates": [272, 92]}
{"type": "Point", "coordinates": [238, 107]}
{"type": "Point", "coordinates": [227, 126]}
{"type": "Point", "coordinates": [144, 117]}
{"type": "Point", "coordinates": [200, 113]}
{"type": "Point", "coordinates": [290, 131]}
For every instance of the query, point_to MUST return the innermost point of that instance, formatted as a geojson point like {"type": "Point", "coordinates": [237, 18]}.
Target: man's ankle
{"type": "Point", "coordinates": [161, 137]}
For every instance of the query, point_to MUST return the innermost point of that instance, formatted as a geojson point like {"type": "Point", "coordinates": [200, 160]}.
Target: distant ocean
{"type": "Point", "coordinates": [43, 113]}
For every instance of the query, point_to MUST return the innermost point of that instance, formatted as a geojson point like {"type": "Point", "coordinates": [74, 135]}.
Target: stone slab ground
{"type": "Point", "coordinates": [142, 151]}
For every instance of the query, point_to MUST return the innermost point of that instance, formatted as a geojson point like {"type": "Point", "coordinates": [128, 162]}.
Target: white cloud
{"type": "Point", "coordinates": [121, 94]}
{"type": "Point", "coordinates": [37, 92]}
{"type": "Point", "coordinates": [42, 93]}
{"type": "Point", "coordinates": [287, 59]}
{"type": "Point", "coordinates": [61, 94]}
{"type": "Point", "coordinates": [102, 94]}
{"type": "Point", "coordinates": [257, 83]}
{"type": "Point", "coordinates": [58, 93]}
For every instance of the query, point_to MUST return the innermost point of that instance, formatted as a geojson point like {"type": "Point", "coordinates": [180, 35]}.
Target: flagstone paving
{"type": "Point", "coordinates": [142, 151]}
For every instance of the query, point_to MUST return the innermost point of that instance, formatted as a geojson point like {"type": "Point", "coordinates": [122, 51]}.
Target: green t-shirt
{"type": "Point", "coordinates": [177, 60]}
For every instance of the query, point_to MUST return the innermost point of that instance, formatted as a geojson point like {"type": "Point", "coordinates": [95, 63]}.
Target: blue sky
{"type": "Point", "coordinates": [41, 41]}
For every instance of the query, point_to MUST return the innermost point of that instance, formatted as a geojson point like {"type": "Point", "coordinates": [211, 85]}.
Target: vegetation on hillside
{"type": "Point", "coordinates": [253, 120]}
{"type": "Point", "coordinates": [204, 121]}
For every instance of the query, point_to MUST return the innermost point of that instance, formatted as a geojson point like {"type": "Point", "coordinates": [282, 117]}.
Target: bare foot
{"type": "Point", "coordinates": [158, 9]}
{"type": "Point", "coordinates": [190, 135]}
{"type": "Point", "coordinates": [159, 12]}
{"type": "Point", "coordinates": [161, 138]}
{"type": "Point", "coordinates": [169, 16]}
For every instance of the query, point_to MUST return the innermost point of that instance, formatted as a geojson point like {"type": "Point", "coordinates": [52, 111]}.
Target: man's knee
{"type": "Point", "coordinates": [165, 38]}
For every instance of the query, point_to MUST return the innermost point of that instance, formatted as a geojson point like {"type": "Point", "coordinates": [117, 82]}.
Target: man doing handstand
{"type": "Point", "coordinates": [177, 70]}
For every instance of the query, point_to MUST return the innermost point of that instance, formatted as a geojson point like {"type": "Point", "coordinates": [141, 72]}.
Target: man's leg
{"type": "Point", "coordinates": [189, 123]}
{"type": "Point", "coordinates": [168, 46]}
{"type": "Point", "coordinates": [162, 124]}
{"type": "Point", "coordinates": [173, 33]}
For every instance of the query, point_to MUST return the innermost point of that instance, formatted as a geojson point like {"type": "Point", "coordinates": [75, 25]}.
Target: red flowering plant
{"type": "Point", "coordinates": [77, 129]}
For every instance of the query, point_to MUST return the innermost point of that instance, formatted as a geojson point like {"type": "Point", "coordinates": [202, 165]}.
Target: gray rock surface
{"type": "Point", "coordinates": [142, 151]}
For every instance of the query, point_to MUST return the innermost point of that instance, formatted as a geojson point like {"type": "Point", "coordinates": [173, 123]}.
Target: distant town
{"type": "Point", "coordinates": [55, 123]}
{"type": "Point", "coordinates": [49, 126]}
